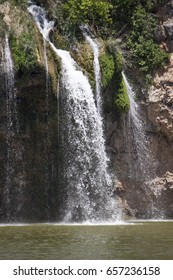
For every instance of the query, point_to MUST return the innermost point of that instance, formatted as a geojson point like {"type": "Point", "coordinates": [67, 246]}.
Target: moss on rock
{"type": "Point", "coordinates": [111, 62]}
{"type": "Point", "coordinates": [24, 52]}
{"type": "Point", "coordinates": [83, 55]}
{"type": "Point", "coordinates": [121, 100]}
{"type": "Point", "coordinates": [107, 65]}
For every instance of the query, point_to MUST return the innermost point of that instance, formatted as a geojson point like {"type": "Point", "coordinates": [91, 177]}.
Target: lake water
{"type": "Point", "coordinates": [133, 240]}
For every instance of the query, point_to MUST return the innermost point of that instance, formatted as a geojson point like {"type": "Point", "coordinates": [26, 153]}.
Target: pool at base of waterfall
{"type": "Point", "coordinates": [131, 240]}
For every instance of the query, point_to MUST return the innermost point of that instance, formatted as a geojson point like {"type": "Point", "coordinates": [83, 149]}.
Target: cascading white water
{"type": "Point", "coordinates": [15, 163]}
{"type": "Point", "coordinates": [46, 67]}
{"type": "Point", "coordinates": [46, 138]}
{"type": "Point", "coordinates": [89, 185]}
{"type": "Point", "coordinates": [142, 162]}
{"type": "Point", "coordinates": [11, 116]}
{"type": "Point", "coordinates": [97, 71]}
{"type": "Point", "coordinates": [12, 124]}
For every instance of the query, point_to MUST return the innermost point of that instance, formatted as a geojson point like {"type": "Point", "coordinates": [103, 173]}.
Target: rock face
{"type": "Point", "coordinates": [33, 191]}
{"type": "Point", "coordinates": [147, 198]}
{"type": "Point", "coordinates": [163, 191]}
{"type": "Point", "coordinates": [30, 156]}
{"type": "Point", "coordinates": [168, 27]}
{"type": "Point", "coordinates": [160, 101]}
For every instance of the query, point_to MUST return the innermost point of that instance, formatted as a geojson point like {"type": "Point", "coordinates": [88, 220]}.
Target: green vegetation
{"type": "Point", "coordinates": [111, 63]}
{"type": "Point", "coordinates": [2, 27]}
{"type": "Point", "coordinates": [122, 11]}
{"type": "Point", "coordinates": [107, 68]}
{"type": "Point", "coordinates": [24, 52]}
{"type": "Point", "coordinates": [134, 22]}
{"type": "Point", "coordinates": [21, 3]}
{"type": "Point", "coordinates": [121, 99]}
{"type": "Point", "coordinates": [138, 19]}
{"type": "Point", "coordinates": [88, 12]}
{"type": "Point", "coordinates": [145, 51]}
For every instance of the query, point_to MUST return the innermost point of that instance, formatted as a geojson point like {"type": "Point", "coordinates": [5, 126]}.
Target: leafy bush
{"type": "Point", "coordinates": [123, 10]}
{"type": "Point", "coordinates": [87, 12]}
{"type": "Point", "coordinates": [146, 52]}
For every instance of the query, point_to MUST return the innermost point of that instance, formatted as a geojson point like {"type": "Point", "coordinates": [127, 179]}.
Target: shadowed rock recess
{"type": "Point", "coordinates": [96, 148]}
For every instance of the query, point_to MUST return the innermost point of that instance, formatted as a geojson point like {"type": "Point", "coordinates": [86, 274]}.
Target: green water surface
{"type": "Point", "coordinates": [139, 240]}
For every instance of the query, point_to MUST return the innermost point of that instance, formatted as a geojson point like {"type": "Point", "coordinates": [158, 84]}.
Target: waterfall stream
{"type": "Point", "coordinates": [47, 136]}
{"type": "Point", "coordinates": [95, 49]}
{"type": "Point", "coordinates": [14, 157]}
{"type": "Point", "coordinates": [89, 185]}
{"type": "Point", "coordinates": [11, 118]}
{"type": "Point", "coordinates": [141, 159]}
{"type": "Point", "coordinates": [46, 67]}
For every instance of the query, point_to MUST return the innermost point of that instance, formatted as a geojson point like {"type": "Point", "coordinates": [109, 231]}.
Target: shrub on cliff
{"type": "Point", "coordinates": [88, 12]}
{"type": "Point", "coordinates": [148, 55]}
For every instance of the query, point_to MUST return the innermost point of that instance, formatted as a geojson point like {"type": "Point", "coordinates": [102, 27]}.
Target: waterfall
{"type": "Point", "coordinates": [11, 123]}
{"type": "Point", "coordinates": [142, 161]}
{"type": "Point", "coordinates": [14, 157]}
{"type": "Point", "coordinates": [46, 138]}
{"type": "Point", "coordinates": [89, 185]}
{"type": "Point", "coordinates": [47, 70]}
{"type": "Point", "coordinates": [95, 48]}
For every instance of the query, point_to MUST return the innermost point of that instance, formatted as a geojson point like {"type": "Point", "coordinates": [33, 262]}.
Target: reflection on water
{"type": "Point", "coordinates": [139, 240]}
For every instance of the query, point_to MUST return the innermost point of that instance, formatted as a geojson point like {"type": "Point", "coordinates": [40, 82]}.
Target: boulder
{"type": "Point", "coordinates": [168, 26]}
{"type": "Point", "coordinates": [160, 35]}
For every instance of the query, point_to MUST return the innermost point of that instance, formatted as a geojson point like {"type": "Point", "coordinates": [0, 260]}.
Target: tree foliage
{"type": "Point", "coordinates": [87, 12]}
{"type": "Point", "coordinates": [146, 52]}
{"type": "Point", "coordinates": [123, 10]}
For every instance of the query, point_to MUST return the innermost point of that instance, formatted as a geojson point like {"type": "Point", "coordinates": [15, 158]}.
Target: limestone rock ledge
{"type": "Point", "coordinates": [162, 189]}
{"type": "Point", "coordinates": [160, 101]}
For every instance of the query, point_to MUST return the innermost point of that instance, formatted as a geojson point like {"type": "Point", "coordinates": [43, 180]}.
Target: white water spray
{"type": "Point", "coordinates": [142, 162]}
{"type": "Point", "coordinates": [89, 185]}
{"type": "Point", "coordinates": [47, 69]}
{"type": "Point", "coordinates": [95, 49]}
{"type": "Point", "coordinates": [14, 149]}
